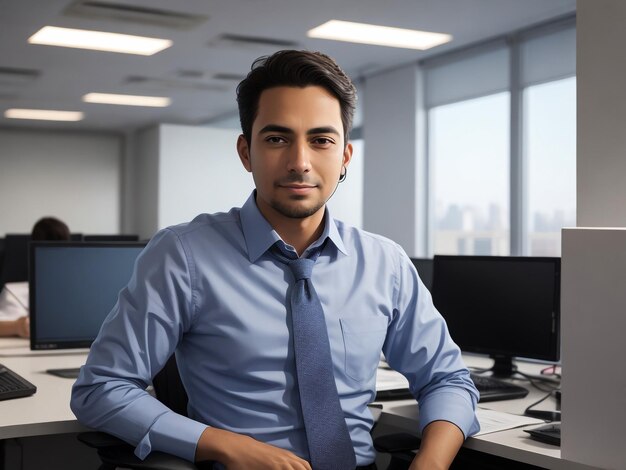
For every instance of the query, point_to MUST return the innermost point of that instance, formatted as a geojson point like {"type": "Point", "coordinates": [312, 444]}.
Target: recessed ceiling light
{"type": "Point", "coordinates": [127, 100]}
{"type": "Point", "coordinates": [43, 114]}
{"type": "Point", "coordinates": [378, 35]}
{"type": "Point", "coordinates": [98, 41]}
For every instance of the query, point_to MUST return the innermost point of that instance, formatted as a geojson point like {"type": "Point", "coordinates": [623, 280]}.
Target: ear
{"type": "Point", "coordinates": [347, 155]}
{"type": "Point", "coordinates": [243, 149]}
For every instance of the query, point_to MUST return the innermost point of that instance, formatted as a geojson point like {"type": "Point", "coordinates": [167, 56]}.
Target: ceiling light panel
{"type": "Point", "coordinates": [98, 41]}
{"type": "Point", "coordinates": [378, 35]}
{"type": "Point", "coordinates": [43, 114]}
{"type": "Point", "coordinates": [127, 100]}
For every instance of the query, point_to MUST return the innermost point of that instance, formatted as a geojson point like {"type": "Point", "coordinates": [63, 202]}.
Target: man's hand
{"type": "Point", "coordinates": [441, 441]}
{"type": "Point", "coordinates": [239, 452]}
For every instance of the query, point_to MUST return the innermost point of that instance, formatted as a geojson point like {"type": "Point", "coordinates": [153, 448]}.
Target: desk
{"type": "Point", "coordinates": [513, 444]}
{"type": "Point", "coordinates": [48, 410]}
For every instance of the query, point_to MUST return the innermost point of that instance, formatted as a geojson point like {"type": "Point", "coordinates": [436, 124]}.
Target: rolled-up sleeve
{"type": "Point", "coordinates": [137, 338]}
{"type": "Point", "coordinates": [419, 346]}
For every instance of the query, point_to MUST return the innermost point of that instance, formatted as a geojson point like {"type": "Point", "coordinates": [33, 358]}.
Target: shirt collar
{"type": "Point", "coordinates": [260, 235]}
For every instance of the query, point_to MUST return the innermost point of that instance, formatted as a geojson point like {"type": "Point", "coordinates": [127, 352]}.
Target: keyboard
{"type": "Point", "coordinates": [14, 386]}
{"type": "Point", "coordinates": [492, 389]}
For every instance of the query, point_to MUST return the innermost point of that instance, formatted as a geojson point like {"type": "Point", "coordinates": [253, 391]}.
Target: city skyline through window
{"type": "Point", "coordinates": [550, 151]}
{"type": "Point", "coordinates": [469, 156]}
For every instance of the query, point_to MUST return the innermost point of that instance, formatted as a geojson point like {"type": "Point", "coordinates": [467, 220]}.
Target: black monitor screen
{"type": "Point", "coordinates": [15, 262]}
{"type": "Point", "coordinates": [15, 259]}
{"type": "Point", "coordinates": [424, 268]}
{"type": "Point", "coordinates": [111, 238]}
{"type": "Point", "coordinates": [73, 287]}
{"type": "Point", "coordinates": [502, 306]}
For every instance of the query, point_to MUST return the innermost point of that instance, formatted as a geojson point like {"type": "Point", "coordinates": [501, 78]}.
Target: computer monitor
{"type": "Point", "coordinates": [502, 306]}
{"type": "Point", "coordinates": [15, 264]}
{"type": "Point", "coordinates": [111, 238]}
{"type": "Point", "coordinates": [424, 268]}
{"type": "Point", "coordinates": [73, 287]}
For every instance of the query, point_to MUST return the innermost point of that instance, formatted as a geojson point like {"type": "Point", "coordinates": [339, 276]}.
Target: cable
{"type": "Point", "coordinates": [543, 414]}
{"type": "Point", "coordinates": [536, 381]}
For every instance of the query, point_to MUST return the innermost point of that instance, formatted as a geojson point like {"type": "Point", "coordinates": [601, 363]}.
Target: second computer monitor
{"type": "Point", "coordinates": [73, 287]}
{"type": "Point", "coordinates": [502, 306]}
{"type": "Point", "coordinates": [424, 268]}
{"type": "Point", "coordinates": [111, 238]}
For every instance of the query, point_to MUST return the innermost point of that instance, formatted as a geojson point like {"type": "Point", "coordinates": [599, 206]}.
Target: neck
{"type": "Point", "coordinates": [299, 233]}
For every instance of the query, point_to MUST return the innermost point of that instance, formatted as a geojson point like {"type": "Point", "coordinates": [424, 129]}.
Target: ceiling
{"type": "Point", "coordinates": [201, 70]}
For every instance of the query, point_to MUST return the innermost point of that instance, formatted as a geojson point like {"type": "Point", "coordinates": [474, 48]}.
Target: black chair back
{"type": "Point", "coordinates": [169, 389]}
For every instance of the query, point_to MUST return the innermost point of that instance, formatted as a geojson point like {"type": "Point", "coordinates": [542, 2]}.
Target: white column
{"type": "Point", "coordinates": [391, 201]}
{"type": "Point", "coordinates": [601, 114]}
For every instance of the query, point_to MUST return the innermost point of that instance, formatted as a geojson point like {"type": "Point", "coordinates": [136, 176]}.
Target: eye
{"type": "Point", "coordinates": [275, 139]}
{"type": "Point", "coordinates": [323, 141]}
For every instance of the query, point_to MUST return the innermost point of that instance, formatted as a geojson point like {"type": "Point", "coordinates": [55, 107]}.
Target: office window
{"type": "Point", "coordinates": [550, 155]}
{"type": "Point", "coordinates": [469, 158]}
{"type": "Point", "coordinates": [501, 153]}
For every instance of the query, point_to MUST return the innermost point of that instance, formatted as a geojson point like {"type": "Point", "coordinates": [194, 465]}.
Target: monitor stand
{"type": "Point", "coordinates": [502, 366]}
{"type": "Point", "coordinates": [71, 373]}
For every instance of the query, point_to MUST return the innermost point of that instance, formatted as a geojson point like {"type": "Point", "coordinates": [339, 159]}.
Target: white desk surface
{"type": "Point", "coordinates": [48, 410]}
{"type": "Point", "coordinates": [512, 444]}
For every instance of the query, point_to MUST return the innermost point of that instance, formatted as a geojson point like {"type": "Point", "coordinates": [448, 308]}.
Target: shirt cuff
{"type": "Point", "coordinates": [457, 408]}
{"type": "Point", "coordinates": [173, 434]}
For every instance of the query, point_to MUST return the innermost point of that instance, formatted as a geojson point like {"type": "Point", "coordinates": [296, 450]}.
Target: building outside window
{"type": "Point", "coordinates": [469, 151]}
{"type": "Point", "coordinates": [550, 150]}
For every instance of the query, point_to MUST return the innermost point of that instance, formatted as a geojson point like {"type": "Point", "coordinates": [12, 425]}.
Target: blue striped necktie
{"type": "Point", "coordinates": [330, 446]}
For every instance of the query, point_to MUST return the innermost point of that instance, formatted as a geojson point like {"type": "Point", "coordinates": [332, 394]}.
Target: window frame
{"type": "Point", "coordinates": [518, 173]}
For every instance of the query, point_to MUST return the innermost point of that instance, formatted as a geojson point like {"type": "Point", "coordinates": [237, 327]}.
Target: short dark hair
{"type": "Point", "coordinates": [295, 69]}
{"type": "Point", "coordinates": [50, 228]}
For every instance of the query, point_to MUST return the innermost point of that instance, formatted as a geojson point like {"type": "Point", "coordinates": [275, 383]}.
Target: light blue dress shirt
{"type": "Point", "coordinates": [211, 291]}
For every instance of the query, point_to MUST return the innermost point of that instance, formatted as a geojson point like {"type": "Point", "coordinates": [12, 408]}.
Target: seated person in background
{"type": "Point", "coordinates": [278, 377]}
{"type": "Point", "coordinates": [14, 295]}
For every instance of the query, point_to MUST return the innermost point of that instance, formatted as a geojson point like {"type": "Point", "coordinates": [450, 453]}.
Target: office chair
{"type": "Point", "coordinates": [114, 452]}
{"type": "Point", "coordinates": [168, 388]}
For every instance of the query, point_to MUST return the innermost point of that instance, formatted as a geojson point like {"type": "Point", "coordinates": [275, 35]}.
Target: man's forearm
{"type": "Point", "coordinates": [441, 441]}
{"type": "Point", "coordinates": [240, 452]}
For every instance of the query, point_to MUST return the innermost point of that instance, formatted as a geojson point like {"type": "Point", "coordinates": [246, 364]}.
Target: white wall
{"type": "Point", "coordinates": [347, 202]}
{"type": "Point", "coordinates": [73, 176]}
{"type": "Point", "coordinates": [199, 171]}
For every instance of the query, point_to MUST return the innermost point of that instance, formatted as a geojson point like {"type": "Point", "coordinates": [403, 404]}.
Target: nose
{"type": "Point", "coordinates": [299, 158]}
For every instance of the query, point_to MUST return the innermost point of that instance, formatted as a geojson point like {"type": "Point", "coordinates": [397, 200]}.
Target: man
{"type": "Point", "coordinates": [222, 293]}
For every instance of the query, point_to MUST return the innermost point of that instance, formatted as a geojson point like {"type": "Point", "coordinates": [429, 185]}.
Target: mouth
{"type": "Point", "coordinates": [297, 188]}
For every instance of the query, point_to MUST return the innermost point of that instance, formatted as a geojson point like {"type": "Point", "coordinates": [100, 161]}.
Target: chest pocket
{"type": "Point", "coordinates": [363, 341]}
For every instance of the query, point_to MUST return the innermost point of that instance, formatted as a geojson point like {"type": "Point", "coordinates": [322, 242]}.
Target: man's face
{"type": "Point", "coordinates": [296, 152]}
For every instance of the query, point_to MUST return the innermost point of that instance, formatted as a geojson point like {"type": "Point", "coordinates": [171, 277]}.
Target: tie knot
{"type": "Point", "coordinates": [301, 268]}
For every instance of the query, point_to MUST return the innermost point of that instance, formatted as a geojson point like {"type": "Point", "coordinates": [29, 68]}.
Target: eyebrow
{"type": "Point", "coordinates": [287, 130]}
